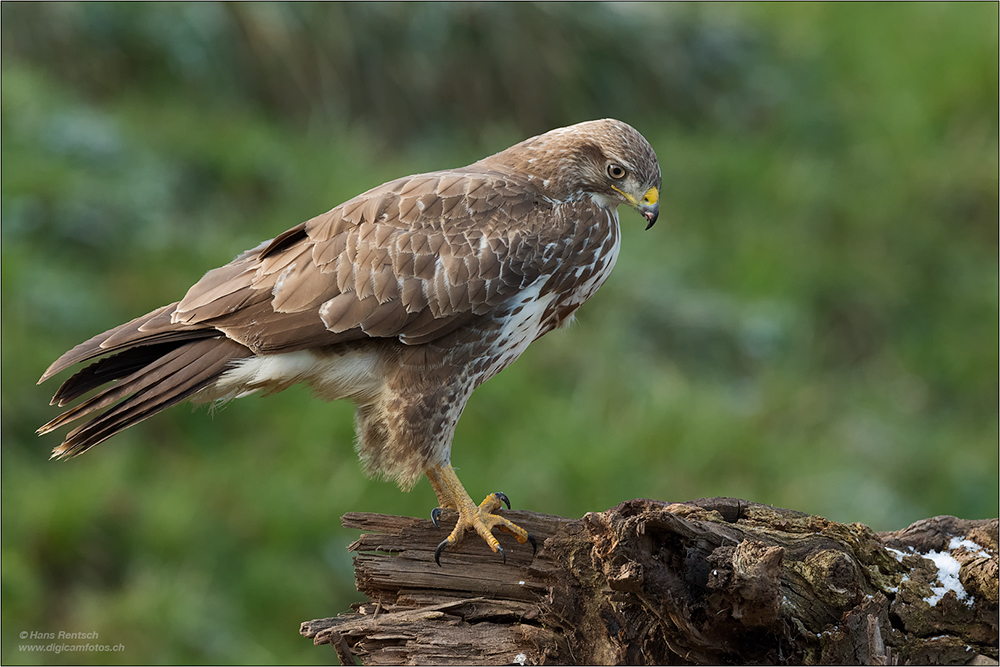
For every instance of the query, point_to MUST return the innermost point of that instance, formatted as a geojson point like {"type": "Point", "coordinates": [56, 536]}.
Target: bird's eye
{"type": "Point", "coordinates": [616, 171]}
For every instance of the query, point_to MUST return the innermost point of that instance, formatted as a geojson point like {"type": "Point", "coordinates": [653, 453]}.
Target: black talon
{"type": "Point", "coordinates": [534, 547]}
{"type": "Point", "coordinates": [503, 554]}
{"type": "Point", "coordinates": [437, 552]}
{"type": "Point", "coordinates": [503, 498]}
{"type": "Point", "coordinates": [435, 513]}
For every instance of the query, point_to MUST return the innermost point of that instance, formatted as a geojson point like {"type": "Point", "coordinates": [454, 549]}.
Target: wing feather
{"type": "Point", "coordinates": [346, 311]}
{"type": "Point", "coordinates": [327, 252]}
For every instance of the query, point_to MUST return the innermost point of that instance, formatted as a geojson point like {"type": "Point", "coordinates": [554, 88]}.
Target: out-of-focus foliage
{"type": "Point", "coordinates": [812, 323]}
{"type": "Point", "coordinates": [452, 70]}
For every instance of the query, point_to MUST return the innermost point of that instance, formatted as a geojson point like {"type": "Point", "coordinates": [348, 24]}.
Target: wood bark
{"type": "Point", "coordinates": [712, 581]}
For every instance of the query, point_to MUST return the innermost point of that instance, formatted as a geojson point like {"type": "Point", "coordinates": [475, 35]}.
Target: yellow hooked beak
{"type": "Point", "coordinates": [648, 206]}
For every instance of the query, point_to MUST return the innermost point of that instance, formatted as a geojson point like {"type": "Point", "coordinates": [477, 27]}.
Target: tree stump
{"type": "Point", "coordinates": [712, 581]}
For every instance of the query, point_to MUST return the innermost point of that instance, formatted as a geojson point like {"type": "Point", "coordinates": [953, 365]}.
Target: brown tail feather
{"type": "Point", "coordinates": [109, 369]}
{"type": "Point", "coordinates": [149, 329]}
{"type": "Point", "coordinates": [156, 370]}
{"type": "Point", "coordinates": [177, 373]}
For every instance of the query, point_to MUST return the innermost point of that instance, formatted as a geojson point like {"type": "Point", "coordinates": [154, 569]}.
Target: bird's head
{"type": "Point", "coordinates": [622, 167]}
{"type": "Point", "coordinates": [606, 160]}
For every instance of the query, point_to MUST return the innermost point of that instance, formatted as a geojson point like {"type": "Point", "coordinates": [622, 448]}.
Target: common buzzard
{"type": "Point", "coordinates": [403, 299]}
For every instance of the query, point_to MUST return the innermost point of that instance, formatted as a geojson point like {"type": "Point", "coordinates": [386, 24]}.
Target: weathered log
{"type": "Point", "coordinates": [713, 581]}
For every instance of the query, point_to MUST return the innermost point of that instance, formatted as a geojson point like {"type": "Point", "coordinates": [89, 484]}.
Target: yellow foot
{"type": "Point", "coordinates": [481, 518]}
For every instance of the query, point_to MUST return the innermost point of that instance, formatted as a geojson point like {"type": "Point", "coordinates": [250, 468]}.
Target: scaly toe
{"type": "Point", "coordinates": [482, 521]}
{"type": "Point", "coordinates": [479, 518]}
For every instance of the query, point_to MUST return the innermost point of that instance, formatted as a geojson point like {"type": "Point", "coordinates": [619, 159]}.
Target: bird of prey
{"type": "Point", "coordinates": [403, 299]}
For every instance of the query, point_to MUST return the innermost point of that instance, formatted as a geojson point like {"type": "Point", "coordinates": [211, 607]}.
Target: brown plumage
{"type": "Point", "coordinates": [403, 299]}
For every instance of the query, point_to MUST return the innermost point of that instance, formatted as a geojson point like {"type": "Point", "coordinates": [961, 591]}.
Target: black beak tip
{"type": "Point", "coordinates": [651, 217]}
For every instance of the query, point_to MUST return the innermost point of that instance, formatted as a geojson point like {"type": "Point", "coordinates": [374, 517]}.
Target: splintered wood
{"type": "Point", "coordinates": [713, 581]}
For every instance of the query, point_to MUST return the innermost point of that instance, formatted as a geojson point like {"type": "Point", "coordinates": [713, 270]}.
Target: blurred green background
{"type": "Point", "coordinates": [811, 324]}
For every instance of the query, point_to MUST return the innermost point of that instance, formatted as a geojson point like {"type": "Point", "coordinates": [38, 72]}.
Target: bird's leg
{"type": "Point", "coordinates": [481, 518]}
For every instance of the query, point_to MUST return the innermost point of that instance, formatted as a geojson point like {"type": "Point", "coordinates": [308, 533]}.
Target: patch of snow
{"type": "Point", "coordinates": [969, 546]}
{"type": "Point", "coordinates": [948, 569]}
{"type": "Point", "coordinates": [520, 659]}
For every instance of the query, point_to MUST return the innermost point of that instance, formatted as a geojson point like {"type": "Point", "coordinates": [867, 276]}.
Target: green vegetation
{"type": "Point", "coordinates": [813, 322]}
